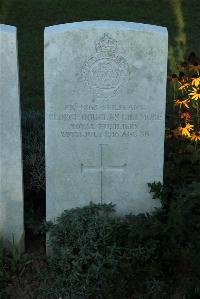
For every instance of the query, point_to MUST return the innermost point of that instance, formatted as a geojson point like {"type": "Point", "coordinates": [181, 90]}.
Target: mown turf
{"type": "Point", "coordinates": [181, 17]}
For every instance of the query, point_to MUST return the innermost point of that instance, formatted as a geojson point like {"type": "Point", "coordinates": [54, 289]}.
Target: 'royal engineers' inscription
{"type": "Point", "coordinates": [109, 121]}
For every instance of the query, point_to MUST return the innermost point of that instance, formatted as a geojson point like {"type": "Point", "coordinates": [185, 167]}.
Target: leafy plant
{"type": "Point", "coordinates": [12, 263]}
{"type": "Point", "coordinates": [94, 252]}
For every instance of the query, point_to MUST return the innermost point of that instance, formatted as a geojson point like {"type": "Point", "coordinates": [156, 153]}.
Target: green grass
{"type": "Point", "coordinates": [31, 16]}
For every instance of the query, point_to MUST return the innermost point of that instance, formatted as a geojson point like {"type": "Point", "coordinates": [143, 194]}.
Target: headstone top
{"type": "Point", "coordinates": [8, 28]}
{"type": "Point", "coordinates": [106, 24]}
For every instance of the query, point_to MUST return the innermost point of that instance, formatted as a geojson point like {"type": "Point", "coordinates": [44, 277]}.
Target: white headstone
{"type": "Point", "coordinates": [11, 194]}
{"type": "Point", "coordinates": [105, 89]}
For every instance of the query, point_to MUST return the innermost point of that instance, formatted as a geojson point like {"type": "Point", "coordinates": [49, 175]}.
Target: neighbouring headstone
{"type": "Point", "coordinates": [11, 191]}
{"type": "Point", "coordinates": [105, 89]}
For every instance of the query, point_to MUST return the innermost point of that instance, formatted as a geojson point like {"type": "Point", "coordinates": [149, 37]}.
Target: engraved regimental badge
{"type": "Point", "coordinates": [105, 73]}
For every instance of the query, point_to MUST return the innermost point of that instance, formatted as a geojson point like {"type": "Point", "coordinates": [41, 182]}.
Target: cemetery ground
{"type": "Point", "coordinates": [147, 256]}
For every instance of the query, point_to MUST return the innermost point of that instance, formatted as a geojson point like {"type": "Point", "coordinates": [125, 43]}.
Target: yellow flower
{"type": "Point", "coordinates": [195, 136]}
{"type": "Point", "coordinates": [185, 129]}
{"type": "Point", "coordinates": [181, 101]}
{"type": "Point", "coordinates": [195, 94]}
{"type": "Point", "coordinates": [196, 81]}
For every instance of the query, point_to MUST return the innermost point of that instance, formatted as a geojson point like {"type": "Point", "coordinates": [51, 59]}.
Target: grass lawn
{"type": "Point", "coordinates": [180, 17]}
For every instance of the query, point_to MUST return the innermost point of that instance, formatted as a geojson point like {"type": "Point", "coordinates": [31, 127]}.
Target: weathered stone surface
{"type": "Point", "coordinates": [105, 85]}
{"type": "Point", "coordinates": [11, 194]}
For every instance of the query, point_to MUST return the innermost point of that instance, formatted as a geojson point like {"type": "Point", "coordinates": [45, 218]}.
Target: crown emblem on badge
{"type": "Point", "coordinates": [106, 44]}
{"type": "Point", "coordinates": [105, 73]}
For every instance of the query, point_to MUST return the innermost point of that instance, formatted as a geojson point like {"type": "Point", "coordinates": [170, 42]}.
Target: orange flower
{"type": "Point", "coordinates": [195, 136]}
{"type": "Point", "coordinates": [181, 101]}
{"type": "Point", "coordinates": [185, 129]}
{"type": "Point", "coordinates": [184, 115]}
{"type": "Point", "coordinates": [195, 94]}
{"type": "Point", "coordinates": [184, 86]}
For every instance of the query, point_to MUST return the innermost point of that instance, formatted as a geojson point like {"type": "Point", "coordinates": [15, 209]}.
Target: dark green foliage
{"type": "Point", "coordinates": [180, 238]}
{"type": "Point", "coordinates": [34, 169]}
{"type": "Point", "coordinates": [182, 162]}
{"type": "Point", "coordinates": [33, 150]}
{"type": "Point", "coordinates": [4, 275]}
{"type": "Point", "coordinates": [96, 254]}
{"type": "Point", "coordinates": [12, 264]}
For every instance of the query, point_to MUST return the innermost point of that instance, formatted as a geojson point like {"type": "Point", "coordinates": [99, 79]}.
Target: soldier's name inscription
{"type": "Point", "coordinates": [105, 120]}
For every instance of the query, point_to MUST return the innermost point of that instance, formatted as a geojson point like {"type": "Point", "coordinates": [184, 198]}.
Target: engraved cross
{"type": "Point", "coordinates": [102, 167]}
